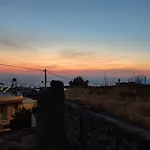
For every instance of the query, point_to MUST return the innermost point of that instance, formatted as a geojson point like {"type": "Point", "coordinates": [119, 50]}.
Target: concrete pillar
{"type": "Point", "coordinates": [50, 122]}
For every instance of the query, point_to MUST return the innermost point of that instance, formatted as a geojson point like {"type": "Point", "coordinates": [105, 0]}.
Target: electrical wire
{"type": "Point", "coordinates": [60, 76]}
{"type": "Point", "coordinates": [48, 72]}
{"type": "Point", "coordinates": [7, 65]}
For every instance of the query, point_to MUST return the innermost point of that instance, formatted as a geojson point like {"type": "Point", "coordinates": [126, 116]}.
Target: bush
{"type": "Point", "coordinates": [21, 119]}
{"type": "Point", "coordinates": [79, 81]}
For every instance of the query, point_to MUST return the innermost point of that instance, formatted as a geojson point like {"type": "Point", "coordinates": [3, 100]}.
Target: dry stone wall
{"type": "Point", "coordinates": [95, 133]}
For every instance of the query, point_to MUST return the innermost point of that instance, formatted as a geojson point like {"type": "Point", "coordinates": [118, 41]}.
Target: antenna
{"type": "Point", "coordinates": [105, 79]}
{"type": "Point", "coordinates": [45, 78]}
{"type": "Point", "coordinates": [145, 79]}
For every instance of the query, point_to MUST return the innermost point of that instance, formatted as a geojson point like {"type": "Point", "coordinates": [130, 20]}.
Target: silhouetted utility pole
{"type": "Point", "coordinates": [45, 78]}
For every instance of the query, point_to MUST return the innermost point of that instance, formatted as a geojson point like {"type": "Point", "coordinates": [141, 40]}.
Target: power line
{"type": "Point", "coordinates": [13, 66]}
{"type": "Point", "coordinates": [60, 76]}
{"type": "Point", "coordinates": [7, 65]}
{"type": "Point", "coordinates": [57, 75]}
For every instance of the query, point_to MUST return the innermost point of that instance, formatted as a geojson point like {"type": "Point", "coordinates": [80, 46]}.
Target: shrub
{"type": "Point", "coordinates": [79, 81]}
{"type": "Point", "coordinates": [21, 119]}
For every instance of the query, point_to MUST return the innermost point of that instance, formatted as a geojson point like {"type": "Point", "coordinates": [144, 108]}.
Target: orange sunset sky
{"type": "Point", "coordinates": [89, 60]}
{"type": "Point", "coordinates": [76, 38]}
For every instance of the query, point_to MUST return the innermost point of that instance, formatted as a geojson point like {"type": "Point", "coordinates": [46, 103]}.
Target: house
{"type": "Point", "coordinates": [9, 103]}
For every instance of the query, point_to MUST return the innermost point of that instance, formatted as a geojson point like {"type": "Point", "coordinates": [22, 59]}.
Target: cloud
{"type": "Point", "coordinates": [11, 42]}
{"type": "Point", "coordinates": [70, 54]}
{"type": "Point", "coordinates": [10, 45]}
{"type": "Point", "coordinates": [17, 48]}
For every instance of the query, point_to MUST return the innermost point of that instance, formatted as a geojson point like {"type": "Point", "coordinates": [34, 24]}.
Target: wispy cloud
{"type": "Point", "coordinates": [11, 42]}
{"type": "Point", "coordinates": [17, 48]}
{"type": "Point", "coordinates": [6, 42]}
{"type": "Point", "coordinates": [71, 53]}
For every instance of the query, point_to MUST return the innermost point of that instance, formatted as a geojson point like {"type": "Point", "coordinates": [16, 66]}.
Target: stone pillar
{"type": "Point", "coordinates": [50, 126]}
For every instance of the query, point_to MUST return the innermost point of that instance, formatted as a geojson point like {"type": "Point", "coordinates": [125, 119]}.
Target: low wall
{"type": "Point", "coordinates": [95, 132]}
{"type": "Point", "coordinates": [19, 140]}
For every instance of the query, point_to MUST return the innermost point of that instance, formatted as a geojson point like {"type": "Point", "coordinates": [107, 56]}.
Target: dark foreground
{"type": "Point", "coordinates": [63, 125]}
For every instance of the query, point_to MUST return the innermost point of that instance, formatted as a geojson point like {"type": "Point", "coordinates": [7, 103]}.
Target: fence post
{"type": "Point", "coordinates": [50, 126]}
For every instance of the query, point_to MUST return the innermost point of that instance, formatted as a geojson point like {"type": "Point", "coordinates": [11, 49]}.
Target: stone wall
{"type": "Point", "coordinates": [19, 140]}
{"type": "Point", "coordinates": [96, 133]}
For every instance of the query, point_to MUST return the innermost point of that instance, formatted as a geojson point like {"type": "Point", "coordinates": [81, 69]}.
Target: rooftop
{"type": "Point", "coordinates": [7, 94]}
{"type": "Point", "coordinates": [10, 97]}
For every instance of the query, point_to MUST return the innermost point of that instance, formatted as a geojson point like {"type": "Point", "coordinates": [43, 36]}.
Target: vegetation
{"type": "Point", "coordinates": [78, 82]}
{"type": "Point", "coordinates": [21, 119]}
{"type": "Point", "coordinates": [129, 104]}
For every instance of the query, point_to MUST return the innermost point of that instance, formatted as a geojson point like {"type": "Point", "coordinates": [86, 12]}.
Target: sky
{"type": "Point", "coordinates": [76, 37]}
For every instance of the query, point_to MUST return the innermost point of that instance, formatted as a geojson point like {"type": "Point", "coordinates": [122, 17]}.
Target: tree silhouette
{"type": "Point", "coordinates": [79, 81]}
